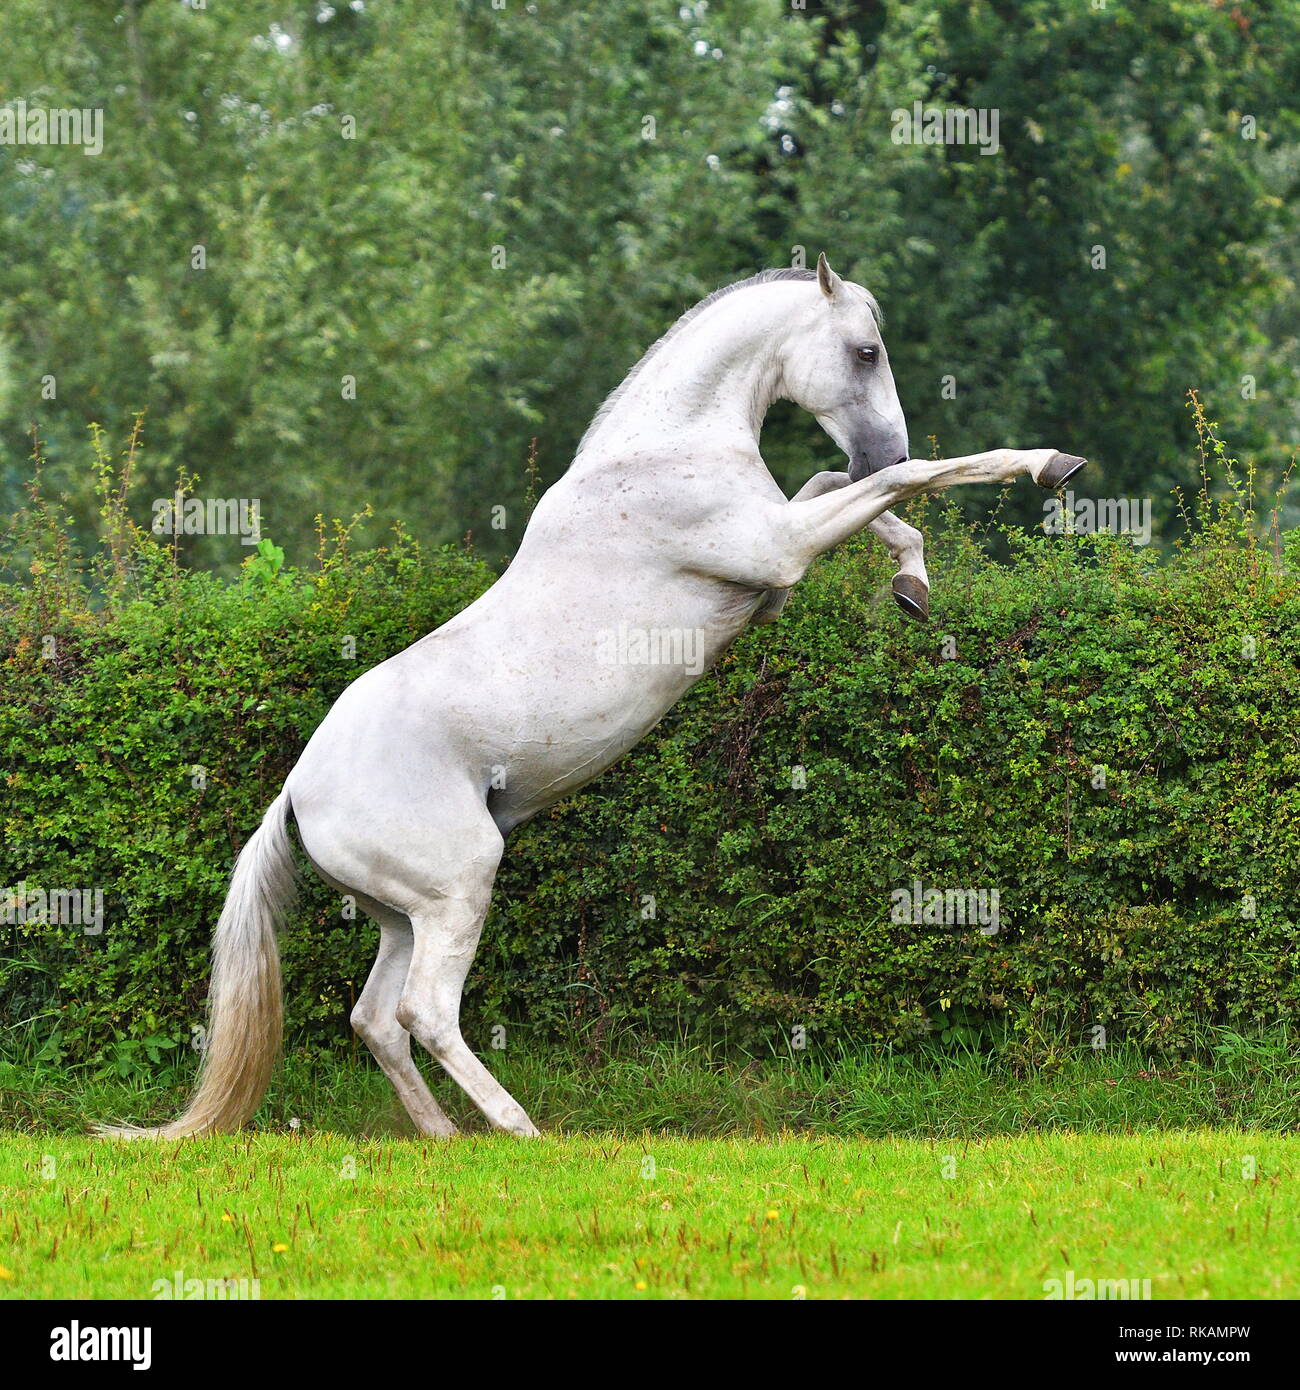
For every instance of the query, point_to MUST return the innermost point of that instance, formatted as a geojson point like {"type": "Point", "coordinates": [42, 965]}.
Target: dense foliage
{"type": "Point", "coordinates": [480, 216]}
{"type": "Point", "coordinates": [1107, 740]}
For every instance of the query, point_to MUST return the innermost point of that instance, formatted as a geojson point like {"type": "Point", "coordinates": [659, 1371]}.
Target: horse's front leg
{"type": "Point", "coordinates": [815, 524]}
{"type": "Point", "coordinates": [905, 543]}
{"type": "Point", "coordinates": [911, 585]}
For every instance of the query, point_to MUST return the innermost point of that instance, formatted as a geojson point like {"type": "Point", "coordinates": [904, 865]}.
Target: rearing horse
{"type": "Point", "coordinates": [666, 535]}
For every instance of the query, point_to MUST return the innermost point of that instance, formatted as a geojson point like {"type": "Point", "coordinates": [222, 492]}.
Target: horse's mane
{"type": "Point", "coordinates": [764, 277]}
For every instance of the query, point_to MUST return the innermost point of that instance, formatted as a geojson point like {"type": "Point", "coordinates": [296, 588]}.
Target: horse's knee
{"type": "Point", "coordinates": [434, 1029]}
{"type": "Point", "coordinates": [374, 1029]}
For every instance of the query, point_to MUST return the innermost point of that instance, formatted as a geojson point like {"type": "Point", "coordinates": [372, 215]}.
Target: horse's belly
{"type": "Point", "coordinates": [522, 709]}
{"type": "Point", "coordinates": [547, 751]}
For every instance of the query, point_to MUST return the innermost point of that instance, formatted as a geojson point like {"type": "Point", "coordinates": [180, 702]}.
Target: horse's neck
{"type": "Point", "coordinates": [708, 387]}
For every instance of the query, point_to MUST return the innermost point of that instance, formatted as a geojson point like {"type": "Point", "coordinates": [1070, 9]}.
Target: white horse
{"type": "Point", "coordinates": [664, 541]}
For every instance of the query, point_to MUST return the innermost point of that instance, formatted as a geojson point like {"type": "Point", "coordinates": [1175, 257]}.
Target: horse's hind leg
{"type": "Point", "coordinates": [375, 1020]}
{"type": "Point", "coordinates": [445, 938]}
{"type": "Point", "coordinates": [447, 929]}
{"type": "Point", "coordinates": [434, 871]}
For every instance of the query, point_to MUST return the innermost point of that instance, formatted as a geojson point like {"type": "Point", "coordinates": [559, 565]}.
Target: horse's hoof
{"type": "Point", "coordinates": [1059, 470]}
{"type": "Point", "coordinates": [912, 596]}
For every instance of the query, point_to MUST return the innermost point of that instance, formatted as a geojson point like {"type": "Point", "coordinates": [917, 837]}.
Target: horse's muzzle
{"type": "Point", "coordinates": [862, 465]}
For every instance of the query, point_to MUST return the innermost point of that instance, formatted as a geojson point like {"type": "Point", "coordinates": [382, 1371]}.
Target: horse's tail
{"type": "Point", "coordinates": [244, 1001]}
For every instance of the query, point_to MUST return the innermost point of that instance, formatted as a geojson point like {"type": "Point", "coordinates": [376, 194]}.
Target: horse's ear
{"type": "Point", "coordinates": [826, 277]}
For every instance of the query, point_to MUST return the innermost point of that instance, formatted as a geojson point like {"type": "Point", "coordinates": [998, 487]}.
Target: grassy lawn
{"type": "Point", "coordinates": [322, 1215]}
{"type": "Point", "coordinates": [674, 1172]}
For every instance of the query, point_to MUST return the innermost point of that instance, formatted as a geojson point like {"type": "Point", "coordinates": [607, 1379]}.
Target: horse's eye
{"type": "Point", "coordinates": [867, 354]}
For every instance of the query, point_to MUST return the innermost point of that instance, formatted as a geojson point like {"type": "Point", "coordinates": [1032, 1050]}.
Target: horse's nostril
{"type": "Point", "coordinates": [897, 461]}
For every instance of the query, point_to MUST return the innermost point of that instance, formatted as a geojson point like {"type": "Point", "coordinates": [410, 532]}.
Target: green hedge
{"type": "Point", "coordinates": [831, 759]}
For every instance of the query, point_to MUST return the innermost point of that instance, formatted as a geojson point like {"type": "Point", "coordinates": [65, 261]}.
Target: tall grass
{"type": "Point", "coordinates": [690, 1089]}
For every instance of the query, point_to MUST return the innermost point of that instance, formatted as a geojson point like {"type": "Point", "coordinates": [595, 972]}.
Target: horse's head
{"type": "Point", "coordinates": [835, 367]}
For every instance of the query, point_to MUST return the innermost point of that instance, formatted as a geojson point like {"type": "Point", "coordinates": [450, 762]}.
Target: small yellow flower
{"type": "Point", "coordinates": [641, 1284]}
{"type": "Point", "coordinates": [774, 1215]}
{"type": "Point", "coordinates": [279, 1248]}
{"type": "Point", "coordinates": [4, 1273]}
{"type": "Point", "coordinates": [226, 1216]}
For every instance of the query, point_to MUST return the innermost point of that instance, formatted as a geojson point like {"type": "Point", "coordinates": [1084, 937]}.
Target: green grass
{"type": "Point", "coordinates": [816, 1173]}
{"type": "Point", "coordinates": [319, 1215]}
{"type": "Point", "coordinates": [697, 1091]}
